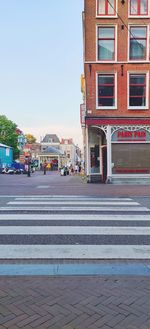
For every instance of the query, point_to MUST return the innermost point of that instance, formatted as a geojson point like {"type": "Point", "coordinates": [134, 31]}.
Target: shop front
{"type": "Point", "coordinates": [131, 151]}
{"type": "Point", "coordinates": [53, 158]}
{"type": "Point", "coordinates": [118, 153]}
{"type": "Point", "coordinates": [96, 160]}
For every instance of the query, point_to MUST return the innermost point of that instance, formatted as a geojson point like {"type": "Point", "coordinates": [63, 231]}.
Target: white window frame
{"type": "Point", "coordinates": [147, 44]}
{"type": "Point", "coordinates": [115, 80]}
{"type": "Point", "coordinates": [139, 16]}
{"type": "Point", "coordinates": [115, 49]}
{"type": "Point", "coordinates": [141, 108]}
{"type": "Point", "coordinates": [107, 16]}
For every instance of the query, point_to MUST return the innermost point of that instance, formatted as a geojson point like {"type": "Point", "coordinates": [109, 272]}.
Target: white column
{"type": "Point", "coordinates": [109, 168]}
{"type": "Point", "coordinates": [59, 162]}
{"type": "Point", "coordinates": [87, 151]}
{"type": "Point", "coordinates": [100, 154]}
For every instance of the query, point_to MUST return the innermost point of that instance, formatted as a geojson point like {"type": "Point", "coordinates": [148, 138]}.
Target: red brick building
{"type": "Point", "coordinates": [117, 92]}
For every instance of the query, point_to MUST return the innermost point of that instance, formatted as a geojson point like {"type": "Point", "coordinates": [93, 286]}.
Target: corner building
{"type": "Point", "coordinates": [116, 69]}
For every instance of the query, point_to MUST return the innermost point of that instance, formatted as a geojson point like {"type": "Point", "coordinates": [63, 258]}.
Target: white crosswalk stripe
{"type": "Point", "coordinates": [76, 209]}
{"type": "Point", "coordinates": [66, 227]}
{"type": "Point", "coordinates": [79, 230]}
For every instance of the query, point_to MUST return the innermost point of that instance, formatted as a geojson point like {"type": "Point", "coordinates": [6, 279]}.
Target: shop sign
{"type": "Point", "coordinates": [82, 114]}
{"type": "Point", "coordinates": [131, 136]}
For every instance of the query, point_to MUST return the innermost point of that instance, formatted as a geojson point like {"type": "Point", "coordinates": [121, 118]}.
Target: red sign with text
{"type": "Point", "coordinates": [139, 135]}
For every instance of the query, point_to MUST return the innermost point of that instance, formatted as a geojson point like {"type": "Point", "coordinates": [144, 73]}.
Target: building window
{"type": "Point", "coordinates": [106, 7]}
{"type": "Point", "coordinates": [137, 90]}
{"type": "Point", "coordinates": [106, 90]}
{"type": "Point", "coordinates": [106, 43]}
{"type": "Point", "coordinates": [138, 43]}
{"type": "Point", "coordinates": [138, 7]}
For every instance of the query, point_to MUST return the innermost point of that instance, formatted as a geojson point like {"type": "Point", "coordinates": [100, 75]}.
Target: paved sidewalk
{"type": "Point", "coordinates": [54, 184]}
{"type": "Point", "coordinates": [75, 302]}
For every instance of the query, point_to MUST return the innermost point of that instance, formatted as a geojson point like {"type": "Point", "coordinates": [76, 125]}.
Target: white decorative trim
{"type": "Point", "coordinates": [114, 128]}
{"type": "Point", "coordinates": [103, 128]}
{"type": "Point", "coordinates": [117, 62]}
{"type": "Point", "coordinates": [130, 128]}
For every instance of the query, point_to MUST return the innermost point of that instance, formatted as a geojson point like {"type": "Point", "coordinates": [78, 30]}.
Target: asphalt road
{"type": "Point", "coordinates": [83, 220]}
{"type": "Point", "coordinates": [72, 254]}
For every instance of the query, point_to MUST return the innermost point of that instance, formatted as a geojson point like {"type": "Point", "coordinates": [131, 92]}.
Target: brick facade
{"type": "Point", "coordinates": [90, 26]}
{"type": "Point", "coordinates": [117, 46]}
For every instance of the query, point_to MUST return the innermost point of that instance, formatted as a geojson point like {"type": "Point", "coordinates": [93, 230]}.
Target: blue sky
{"type": "Point", "coordinates": [40, 65]}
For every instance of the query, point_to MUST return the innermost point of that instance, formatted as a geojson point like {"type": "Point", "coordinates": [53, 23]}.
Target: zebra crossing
{"type": "Point", "coordinates": [74, 227]}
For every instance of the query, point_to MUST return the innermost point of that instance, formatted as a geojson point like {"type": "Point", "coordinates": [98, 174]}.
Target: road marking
{"type": "Point", "coordinates": [73, 230]}
{"type": "Point", "coordinates": [63, 197]}
{"type": "Point", "coordinates": [43, 186]}
{"type": "Point", "coordinates": [74, 252]}
{"type": "Point", "coordinates": [72, 203]}
{"type": "Point", "coordinates": [62, 208]}
{"type": "Point", "coordinates": [74, 198]}
{"type": "Point", "coordinates": [74, 217]}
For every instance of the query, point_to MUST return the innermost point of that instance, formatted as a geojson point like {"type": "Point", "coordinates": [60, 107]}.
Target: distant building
{"type": "Point", "coordinates": [69, 152]}
{"type": "Point", "coordinates": [32, 150]}
{"type": "Point", "coordinates": [53, 157]}
{"type": "Point", "coordinates": [50, 140]}
{"type": "Point", "coordinates": [6, 155]}
{"type": "Point", "coordinates": [69, 149]}
{"type": "Point", "coordinates": [21, 139]}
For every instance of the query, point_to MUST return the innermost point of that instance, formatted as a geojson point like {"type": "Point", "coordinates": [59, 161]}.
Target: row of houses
{"type": "Point", "coordinates": [55, 152]}
{"type": "Point", "coordinates": [51, 150]}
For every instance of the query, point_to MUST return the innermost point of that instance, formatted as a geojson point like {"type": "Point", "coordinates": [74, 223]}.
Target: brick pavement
{"type": "Point", "coordinates": [75, 302]}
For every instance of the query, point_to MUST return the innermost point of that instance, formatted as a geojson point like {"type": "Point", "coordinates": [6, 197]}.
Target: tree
{"type": "Point", "coordinates": [8, 134]}
{"type": "Point", "coordinates": [30, 138]}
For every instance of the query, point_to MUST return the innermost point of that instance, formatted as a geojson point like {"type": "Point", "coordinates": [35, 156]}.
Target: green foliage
{"type": "Point", "coordinates": [8, 134]}
{"type": "Point", "coordinates": [30, 138]}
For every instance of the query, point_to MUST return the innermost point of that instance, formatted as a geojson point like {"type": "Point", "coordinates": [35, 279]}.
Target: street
{"type": "Point", "coordinates": [73, 255]}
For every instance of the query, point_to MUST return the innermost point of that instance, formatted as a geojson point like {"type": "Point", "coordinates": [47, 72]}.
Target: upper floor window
{"type": "Point", "coordinates": [106, 7]}
{"type": "Point", "coordinates": [106, 91]}
{"type": "Point", "coordinates": [138, 7]}
{"type": "Point", "coordinates": [106, 43]}
{"type": "Point", "coordinates": [138, 43]}
{"type": "Point", "coordinates": [137, 91]}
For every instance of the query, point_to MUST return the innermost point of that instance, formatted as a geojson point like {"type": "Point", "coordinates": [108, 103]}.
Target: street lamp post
{"type": "Point", "coordinates": [28, 172]}
{"type": "Point", "coordinates": [45, 164]}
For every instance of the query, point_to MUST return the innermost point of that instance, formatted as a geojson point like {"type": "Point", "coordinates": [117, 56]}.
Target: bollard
{"type": "Point", "coordinates": [29, 172]}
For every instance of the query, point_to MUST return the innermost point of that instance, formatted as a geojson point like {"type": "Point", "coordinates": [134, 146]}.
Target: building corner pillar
{"type": "Point", "coordinates": [87, 151]}
{"type": "Point", "coordinates": [109, 157]}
